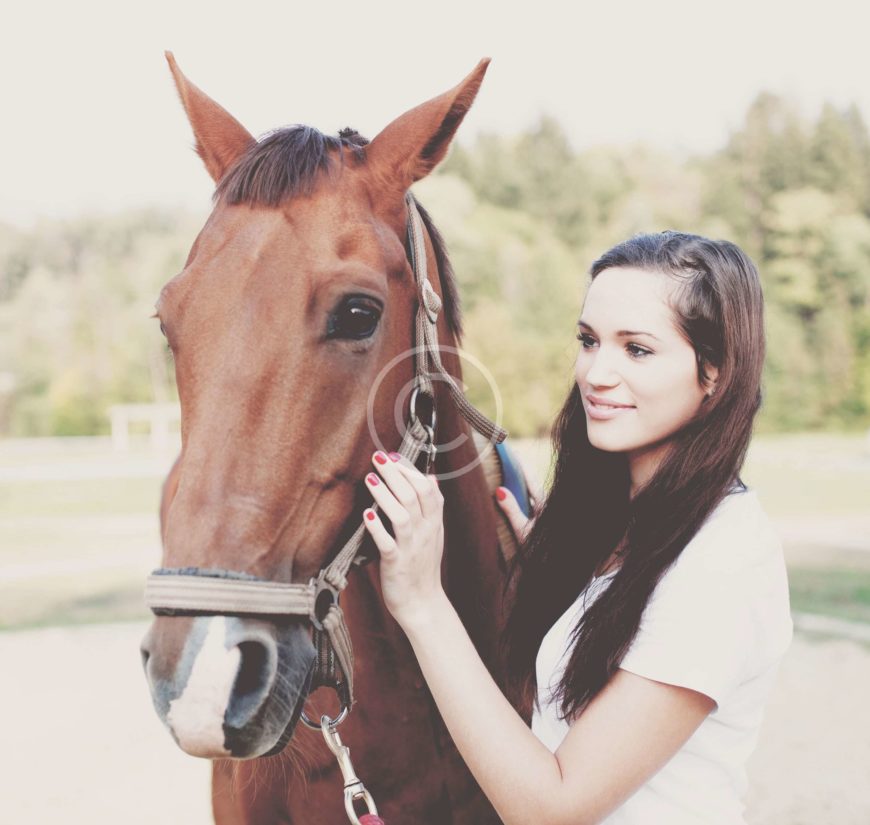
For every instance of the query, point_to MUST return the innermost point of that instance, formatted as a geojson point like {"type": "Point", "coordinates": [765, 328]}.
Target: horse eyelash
{"type": "Point", "coordinates": [154, 315]}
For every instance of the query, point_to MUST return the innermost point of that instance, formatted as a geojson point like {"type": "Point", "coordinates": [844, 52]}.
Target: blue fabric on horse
{"type": "Point", "coordinates": [514, 479]}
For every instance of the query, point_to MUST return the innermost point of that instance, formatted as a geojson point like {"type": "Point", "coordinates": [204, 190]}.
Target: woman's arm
{"type": "Point", "coordinates": [626, 734]}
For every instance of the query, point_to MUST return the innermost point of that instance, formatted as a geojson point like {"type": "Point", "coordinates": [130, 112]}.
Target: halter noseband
{"type": "Point", "coordinates": [192, 591]}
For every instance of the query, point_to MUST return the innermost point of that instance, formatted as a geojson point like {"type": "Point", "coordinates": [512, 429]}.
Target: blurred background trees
{"type": "Point", "coordinates": [524, 216]}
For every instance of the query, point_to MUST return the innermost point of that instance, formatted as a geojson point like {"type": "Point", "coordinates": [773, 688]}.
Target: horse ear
{"type": "Point", "coordinates": [220, 138]}
{"type": "Point", "coordinates": [414, 143]}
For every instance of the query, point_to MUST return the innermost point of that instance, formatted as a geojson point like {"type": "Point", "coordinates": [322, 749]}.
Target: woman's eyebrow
{"type": "Point", "coordinates": [623, 333]}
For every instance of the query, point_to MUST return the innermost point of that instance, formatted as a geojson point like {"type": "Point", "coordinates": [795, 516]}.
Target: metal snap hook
{"type": "Point", "coordinates": [354, 790]}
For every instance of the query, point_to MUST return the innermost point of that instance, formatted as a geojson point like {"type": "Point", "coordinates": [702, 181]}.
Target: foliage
{"type": "Point", "coordinates": [75, 329]}
{"type": "Point", "coordinates": [524, 217]}
{"type": "Point", "coordinates": [794, 195]}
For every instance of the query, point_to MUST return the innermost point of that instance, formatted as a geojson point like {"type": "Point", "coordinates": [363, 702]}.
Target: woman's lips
{"type": "Point", "coordinates": [602, 411]}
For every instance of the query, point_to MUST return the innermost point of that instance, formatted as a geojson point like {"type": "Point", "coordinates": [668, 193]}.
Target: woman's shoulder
{"type": "Point", "coordinates": [719, 616]}
{"type": "Point", "coordinates": [737, 537]}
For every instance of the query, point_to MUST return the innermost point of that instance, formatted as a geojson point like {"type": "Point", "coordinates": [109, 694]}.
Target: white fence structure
{"type": "Point", "coordinates": [164, 421]}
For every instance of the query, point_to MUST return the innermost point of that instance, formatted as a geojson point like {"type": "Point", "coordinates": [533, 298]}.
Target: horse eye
{"type": "Point", "coordinates": [355, 318]}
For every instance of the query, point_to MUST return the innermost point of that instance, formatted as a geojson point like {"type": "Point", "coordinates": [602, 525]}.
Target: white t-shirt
{"type": "Point", "coordinates": [717, 622]}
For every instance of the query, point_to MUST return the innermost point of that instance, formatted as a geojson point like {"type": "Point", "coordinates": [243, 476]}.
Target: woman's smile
{"type": "Point", "coordinates": [600, 409]}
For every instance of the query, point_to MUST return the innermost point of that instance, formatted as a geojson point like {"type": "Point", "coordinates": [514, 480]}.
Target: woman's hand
{"type": "Point", "coordinates": [411, 557]}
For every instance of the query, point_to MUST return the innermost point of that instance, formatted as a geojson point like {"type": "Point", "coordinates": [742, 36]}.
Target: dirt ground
{"type": "Point", "coordinates": [82, 746]}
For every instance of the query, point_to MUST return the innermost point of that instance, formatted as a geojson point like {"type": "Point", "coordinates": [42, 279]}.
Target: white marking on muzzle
{"type": "Point", "coordinates": [197, 716]}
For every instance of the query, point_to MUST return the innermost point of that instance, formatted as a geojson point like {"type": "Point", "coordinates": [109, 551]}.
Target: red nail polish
{"type": "Point", "coordinates": [372, 479]}
{"type": "Point", "coordinates": [380, 457]}
{"type": "Point", "coordinates": [370, 515]}
{"type": "Point", "coordinates": [500, 494]}
{"type": "Point", "coordinates": [395, 456]}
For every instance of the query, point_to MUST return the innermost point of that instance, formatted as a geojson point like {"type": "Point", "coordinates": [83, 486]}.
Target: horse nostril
{"type": "Point", "coordinates": [253, 683]}
{"type": "Point", "coordinates": [145, 654]}
{"type": "Point", "coordinates": [253, 670]}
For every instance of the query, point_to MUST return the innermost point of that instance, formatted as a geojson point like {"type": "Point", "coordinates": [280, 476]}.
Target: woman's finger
{"type": "Point", "coordinates": [426, 486]}
{"type": "Point", "coordinates": [394, 510]}
{"type": "Point", "coordinates": [386, 544]}
{"type": "Point", "coordinates": [398, 484]}
{"type": "Point", "coordinates": [518, 520]}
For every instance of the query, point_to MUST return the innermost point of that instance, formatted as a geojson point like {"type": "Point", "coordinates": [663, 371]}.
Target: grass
{"type": "Point", "coordinates": [50, 539]}
{"type": "Point", "coordinates": [842, 594]}
{"type": "Point", "coordinates": [69, 504]}
{"type": "Point", "coordinates": [82, 497]}
{"type": "Point", "coordinates": [70, 601]}
{"type": "Point", "coordinates": [78, 531]}
{"type": "Point", "coordinates": [811, 473]}
{"type": "Point", "coordinates": [805, 474]}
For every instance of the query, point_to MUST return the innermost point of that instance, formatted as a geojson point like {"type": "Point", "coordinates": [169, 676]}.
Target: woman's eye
{"type": "Point", "coordinates": [354, 319]}
{"type": "Point", "coordinates": [634, 350]}
{"type": "Point", "coordinates": [637, 352]}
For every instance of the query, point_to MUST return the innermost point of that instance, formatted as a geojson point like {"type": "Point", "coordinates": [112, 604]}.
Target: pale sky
{"type": "Point", "coordinates": [91, 121]}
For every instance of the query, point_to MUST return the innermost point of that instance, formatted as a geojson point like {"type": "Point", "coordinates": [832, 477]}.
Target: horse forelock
{"type": "Point", "coordinates": [288, 162]}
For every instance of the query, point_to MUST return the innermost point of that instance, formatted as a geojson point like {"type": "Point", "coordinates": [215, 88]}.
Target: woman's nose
{"type": "Point", "coordinates": [601, 371]}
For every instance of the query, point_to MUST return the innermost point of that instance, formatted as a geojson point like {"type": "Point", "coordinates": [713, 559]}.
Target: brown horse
{"type": "Point", "coordinates": [295, 295]}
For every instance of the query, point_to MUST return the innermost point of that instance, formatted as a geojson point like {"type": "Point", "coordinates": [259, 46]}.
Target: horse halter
{"type": "Point", "coordinates": [198, 591]}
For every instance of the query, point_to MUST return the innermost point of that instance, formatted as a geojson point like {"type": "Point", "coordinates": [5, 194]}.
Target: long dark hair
{"type": "Point", "coordinates": [718, 307]}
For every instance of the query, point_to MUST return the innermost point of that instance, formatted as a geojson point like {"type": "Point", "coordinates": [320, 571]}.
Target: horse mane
{"type": "Point", "coordinates": [289, 161]}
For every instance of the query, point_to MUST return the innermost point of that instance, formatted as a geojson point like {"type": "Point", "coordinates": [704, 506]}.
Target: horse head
{"type": "Point", "coordinates": [296, 294]}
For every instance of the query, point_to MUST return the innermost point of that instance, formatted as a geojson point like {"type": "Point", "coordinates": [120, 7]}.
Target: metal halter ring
{"type": "Point", "coordinates": [332, 723]}
{"type": "Point", "coordinates": [412, 408]}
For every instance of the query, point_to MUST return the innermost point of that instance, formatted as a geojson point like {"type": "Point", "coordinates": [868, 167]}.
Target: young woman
{"type": "Point", "coordinates": [651, 604]}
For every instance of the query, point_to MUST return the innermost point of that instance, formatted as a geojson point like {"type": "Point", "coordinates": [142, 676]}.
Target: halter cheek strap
{"type": "Point", "coordinates": [192, 591]}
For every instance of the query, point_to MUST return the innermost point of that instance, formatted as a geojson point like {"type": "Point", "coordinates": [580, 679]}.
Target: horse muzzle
{"type": "Point", "coordinates": [228, 686]}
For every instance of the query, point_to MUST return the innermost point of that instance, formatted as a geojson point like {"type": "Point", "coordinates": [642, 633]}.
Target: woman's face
{"type": "Point", "coordinates": [632, 355]}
